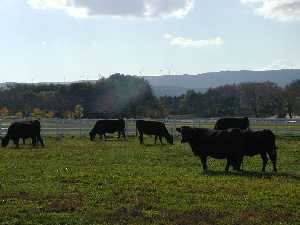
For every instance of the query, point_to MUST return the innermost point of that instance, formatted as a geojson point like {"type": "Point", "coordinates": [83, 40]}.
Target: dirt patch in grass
{"type": "Point", "coordinates": [252, 217]}
{"type": "Point", "coordinates": [70, 181]}
{"type": "Point", "coordinates": [211, 217]}
{"type": "Point", "coordinates": [21, 195]}
{"type": "Point", "coordinates": [147, 215]}
{"type": "Point", "coordinates": [64, 204]}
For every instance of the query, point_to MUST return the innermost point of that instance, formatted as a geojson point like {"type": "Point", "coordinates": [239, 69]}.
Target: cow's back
{"type": "Point", "coordinates": [259, 141]}
{"type": "Point", "coordinates": [23, 129]}
{"type": "Point", "coordinates": [218, 143]}
{"type": "Point", "coordinates": [110, 126]}
{"type": "Point", "coordinates": [228, 123]}
{"type": "Point", "coordinates": [151, 127]}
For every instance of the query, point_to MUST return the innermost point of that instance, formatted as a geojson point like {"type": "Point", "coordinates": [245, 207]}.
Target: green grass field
{"type": "Point", "coordinates": [75, 181]}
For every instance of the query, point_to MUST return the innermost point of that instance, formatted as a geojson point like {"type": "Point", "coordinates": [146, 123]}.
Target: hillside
{"type": "Point", "coordinates": [176, 84]}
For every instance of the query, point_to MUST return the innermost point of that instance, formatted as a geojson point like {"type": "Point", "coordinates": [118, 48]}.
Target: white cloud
{"type": "Point", "coordinates": [117, 8]}
{"type": "Point", "coordinates": [281, 10]}
{"type": "Point", "coordinates": [189, 43]}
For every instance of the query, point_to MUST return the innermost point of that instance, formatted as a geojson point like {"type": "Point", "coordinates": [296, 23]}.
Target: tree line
{"type": "Point", "coordinates": [132, 97]}
{"type": "Point", "coordinates": [246, 99]}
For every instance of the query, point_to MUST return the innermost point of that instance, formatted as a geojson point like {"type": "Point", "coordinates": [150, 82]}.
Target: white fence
{"type": "Point", "coordinates": [72, 127]}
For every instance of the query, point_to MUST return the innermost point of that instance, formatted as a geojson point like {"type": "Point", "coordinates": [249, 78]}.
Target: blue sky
{"type": "Point", "coordinates": [67, 40]}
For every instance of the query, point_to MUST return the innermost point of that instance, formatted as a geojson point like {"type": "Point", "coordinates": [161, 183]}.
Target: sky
{"type": "Point", "coordinates": [69, 40]}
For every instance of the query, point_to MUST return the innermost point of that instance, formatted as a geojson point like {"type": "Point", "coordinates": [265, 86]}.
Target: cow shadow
{"type": "Point", "coordinates": [112, 140]}
{"type": "Point", "coordinates": [154, 145]}
{"type": "Point", "coordinates": [254, 174]}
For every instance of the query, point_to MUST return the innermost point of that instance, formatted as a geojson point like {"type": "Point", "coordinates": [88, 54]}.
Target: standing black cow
{"type": "Point", "coordinates": [153, 128]}
{"type": "Point", "coordinates": [24, 130]}
{"type": "Point", "coordinates": [108, 126]}
{"type": "Point", "coordinates": [227, 123]}
{"type": "Point", "coordinates": [30, 122]}
{"type": "Point", "coordinates": [261, 142]}
{"type": "Point", "coordinates": [227, 144]}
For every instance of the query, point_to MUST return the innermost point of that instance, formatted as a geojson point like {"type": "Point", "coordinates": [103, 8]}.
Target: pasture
{"type": "Point", "coordinates": [75, 181]}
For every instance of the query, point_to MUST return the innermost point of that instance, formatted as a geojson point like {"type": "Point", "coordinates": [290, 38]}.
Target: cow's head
{"type": "Point", "coordinates": [92, 136]}
{"type": "Point", "coordinates": [186, 133]}
{"type": "Point", "coordinates": [4, 142]}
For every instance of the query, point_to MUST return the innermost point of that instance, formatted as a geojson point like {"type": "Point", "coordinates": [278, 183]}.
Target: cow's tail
{"type": "Point", "coordinates": [215, 127]}
{"type": "Point", "coordinates": [275, 148]}
{"type": "Point", "coordinates": [5, 141]}
{"type": "Point", "coordinates": [273, 153]}
{"type": "Point", "coordinates": [136, 131]}
{"type": "Point", "coordinates": [274, 157]}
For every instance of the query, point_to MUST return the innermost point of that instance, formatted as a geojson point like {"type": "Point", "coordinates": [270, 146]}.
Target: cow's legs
{"type": "Point", "coordinates": [16, 142]}
{"type": "Point", "coordinates": [241, 164]}
{"type": "Point", "coordinates": [141, 138]}
{"type": "Point", "coordinates": [104, 137]}
{"type": "Point", "coordinates": [228, 162]}
{"type": "Point", "coordinates": [34, 141]}
{"type": "Point", "coordinates": [204, 164]}
{"type": "Point", "coordinates": [236, 162]}
{"type": "Point", "coordinates": [39, 139]}
{"type": "Point", "coordinates": [24, 141]}
{"type": "Point", "coordinates": [160, 139]}
{"type": "Point", "coordinates": [123, 133]}
{"type": "Point", "coordinates": [265, 161]}
{"type": "Point", "coordinates": [273, 157]}
{"type": "Point", "coordinates": [155, 139]}
{"type": "Point", "coordinates": [119, 134]}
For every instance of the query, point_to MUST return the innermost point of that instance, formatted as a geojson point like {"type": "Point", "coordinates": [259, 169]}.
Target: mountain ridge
{"type": "Point", "coordinates": [215, 79]}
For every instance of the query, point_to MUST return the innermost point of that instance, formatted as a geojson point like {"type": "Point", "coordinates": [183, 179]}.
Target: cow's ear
{"type": "Point", "coordinates": [178, 130]}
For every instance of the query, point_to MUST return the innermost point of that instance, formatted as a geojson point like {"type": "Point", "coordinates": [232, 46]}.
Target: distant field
{"type": "Point", "coordinates": [75, 181]}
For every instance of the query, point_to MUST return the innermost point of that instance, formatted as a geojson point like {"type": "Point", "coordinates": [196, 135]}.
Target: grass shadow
{"type": "Point", "coordinates": [154, 145]}
{"type": "Point", "coordinates": [254, 174]}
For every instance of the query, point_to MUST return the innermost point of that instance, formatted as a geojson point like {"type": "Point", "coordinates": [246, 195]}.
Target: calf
{"type": "Point", "coordinates": [153, 128]}
{"type": "Point", "coordinates": [227, 144]}
{"type": "Point", "coordinates": [261, 142]}
{"type": "Point", "coordinates": [24, 130]}
{"type": "Point", "coordinates": [108, 126]}
{"type": "Point", "coordinates": [227, 123]}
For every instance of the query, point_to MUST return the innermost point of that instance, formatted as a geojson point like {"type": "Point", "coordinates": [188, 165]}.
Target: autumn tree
{"type": "Point", "coordinates": [37, 113]}
{"type": "Point", "coordinates": [4, 112]}
{"type": "Point", "coordinates": [78, 111]}
{"type": "Point", "coordinates": [292, 97]}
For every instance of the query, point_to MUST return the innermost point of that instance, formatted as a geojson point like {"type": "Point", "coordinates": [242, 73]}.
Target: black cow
{"type": "Point", "coordinates": [108, 126]}
{"type": "Point", "coordinates": [261, 142]}
{"type": "Point", "coordinates": [226, 144]}
{"type": "Point", "coordinates": [227, 123]}
{"type": "Point", "coordinates": [29, 121]}
{"type": "Point", "coordinates": [153, 128]}
{"type": "Point", "coordinates": [24, 130]}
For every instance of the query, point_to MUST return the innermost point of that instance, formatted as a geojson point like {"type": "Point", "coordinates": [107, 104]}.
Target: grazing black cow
{"type": "Point", "coordinates": [227, 123]}
{"type": "Point", "coordinates": [153, 128]}
{"type": "Point", "coordinates": [29, 121]}
{"type": "Point", "coordinates": [24, 130]}
{"type": "Point", "coordinates": [225, 144]}
{"type": "Point", "coordinates": [108, 126]}
{"type": "Point", "coordinates": [261, 142]}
